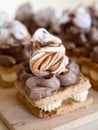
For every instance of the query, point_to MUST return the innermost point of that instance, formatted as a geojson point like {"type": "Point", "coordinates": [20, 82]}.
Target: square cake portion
{"type": "Point", "coordinates": [79, 33]}
{"type": "Point", "coordinates": [50, 83]}
{"type": "Point", "coordinates": [14, 42]}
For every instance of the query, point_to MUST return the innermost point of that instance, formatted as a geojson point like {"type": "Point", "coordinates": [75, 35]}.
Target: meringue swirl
{"type": "Point", "coordinates": [48, 55]}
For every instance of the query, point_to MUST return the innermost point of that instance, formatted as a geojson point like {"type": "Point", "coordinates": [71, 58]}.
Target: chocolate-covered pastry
{"type": "Point", "coordinates": [25, 14]}
{"type": "Point", "coordinates": [50, 79]}
{"type": "Point", "coordinates": [33, 21]}
{"type": "Point", "coordinates": [14, 42]}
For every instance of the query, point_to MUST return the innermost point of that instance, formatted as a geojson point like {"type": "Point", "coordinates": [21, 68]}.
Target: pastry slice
{"type": "Point", "coordinates": [14, 48]}
{"type": "Point", "coordinates": [51, 84]}
{"type": "Point", "coordinates": [80, 36]}
{"type": "Point", "coordinates": [90, 69]}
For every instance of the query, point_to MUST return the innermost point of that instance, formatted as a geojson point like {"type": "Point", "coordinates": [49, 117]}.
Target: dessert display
{"type": "Point", "coordinates": [75, 29]}
{"type": "Point", "coordinates": [79, 32]}
{"type": "Point", "coordinates": [25, 15]}
{"type": "Point", "coordinates": [14, 43]}
{"type": "Point", "coordinates": [47, 17]}
{"type": "Point", "coordinates": [89, 59]}
{"type": "Point", "coordinates": [50, 83]}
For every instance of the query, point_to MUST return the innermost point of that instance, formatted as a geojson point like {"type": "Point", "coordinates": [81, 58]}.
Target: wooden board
{"type": "Point", "coordinates": [17, 117]}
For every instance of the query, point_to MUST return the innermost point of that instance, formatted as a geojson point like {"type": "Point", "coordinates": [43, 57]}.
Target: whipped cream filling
{"type": "Point", "coordinates": [80, 96]}
{"type": "Point", "coordinates": [77, 97]}
{"type": "Point", "coordinates": [52, 107]}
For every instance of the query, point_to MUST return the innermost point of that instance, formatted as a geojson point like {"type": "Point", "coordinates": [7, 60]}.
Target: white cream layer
{"type": "Point", "coordinates": [53, 106]}
{"type": "Point", "coordinates": [80, 96]}
{"type": "Point", "coordinates": [43, 36]}
{"type": "Point", "coordinates": [77, 97]}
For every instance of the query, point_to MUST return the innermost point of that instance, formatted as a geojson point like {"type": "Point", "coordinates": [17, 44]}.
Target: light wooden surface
{"type": "Point", "coordinates": [10, 6]}
{"type": "Point", "coordinates": [17, 117]}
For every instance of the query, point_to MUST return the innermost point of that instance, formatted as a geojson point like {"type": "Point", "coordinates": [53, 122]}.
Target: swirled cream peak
{"type": "Point", "coordinates": [14, 31]}
{"type": "Point", "coordinates": [43, 36]}
{"type": "Point", "coordinates": [48, 56]}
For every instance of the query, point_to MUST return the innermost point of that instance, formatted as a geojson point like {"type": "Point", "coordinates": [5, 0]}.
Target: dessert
{"type": "Point", "coordinates": [79, 33]}
{"type": "Point", "coordinates": [49, 82]}
{"type": "Point", "coordinates": [75, 28]}
{"type": "Point", "coordinates": [48, 18]}
{"type": "Point", "coordinates": [89, 56]}
{"type": "Point", "coordinates": [14, 43]}
{"type": "Point", "coordinates": [25, 15]}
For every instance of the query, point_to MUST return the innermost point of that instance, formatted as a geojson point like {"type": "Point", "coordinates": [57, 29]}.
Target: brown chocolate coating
{"type": "Point", "coordinates": [71, 76]}
{"type": "Point", "coordinates": [37, 88]}
{"type": "Point", "coordinates": [6, 60]}
{"type": "Point", "coordinates": [12, 55]}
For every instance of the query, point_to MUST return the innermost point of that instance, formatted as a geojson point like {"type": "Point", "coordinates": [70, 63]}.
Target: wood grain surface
{"type": "Point", "coordinates": [10, 6]}
{"type": "Point", "coordinates": [17, 117]}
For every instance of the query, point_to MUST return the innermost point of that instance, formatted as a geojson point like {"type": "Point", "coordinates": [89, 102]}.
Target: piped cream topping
{"type": "Point", "coordinates": [80, 96]}
{"type": "Point", "coordinates": [43, 36]}
{"type": "Point", "coordinates": [77, 97]}
{"type": "Point", "coordinates": [52, 107]}
{"type": "Point", "coordinates": [50, 57]}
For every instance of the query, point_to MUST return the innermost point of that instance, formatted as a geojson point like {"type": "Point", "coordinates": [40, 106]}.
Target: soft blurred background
{"type": "Point", "coordinates": [11, 5]}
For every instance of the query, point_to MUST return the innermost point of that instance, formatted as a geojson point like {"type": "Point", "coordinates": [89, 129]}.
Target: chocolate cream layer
{"type": "Point", "coordinates": [39, 87]}
{"type": "Point", "coordinates": [11, 55]}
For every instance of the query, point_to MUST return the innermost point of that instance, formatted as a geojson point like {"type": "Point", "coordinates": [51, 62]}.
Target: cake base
{"type": "Point", "coordinates": [90, 70]}
{"type": "Point", "coordinates": [66, 107]}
